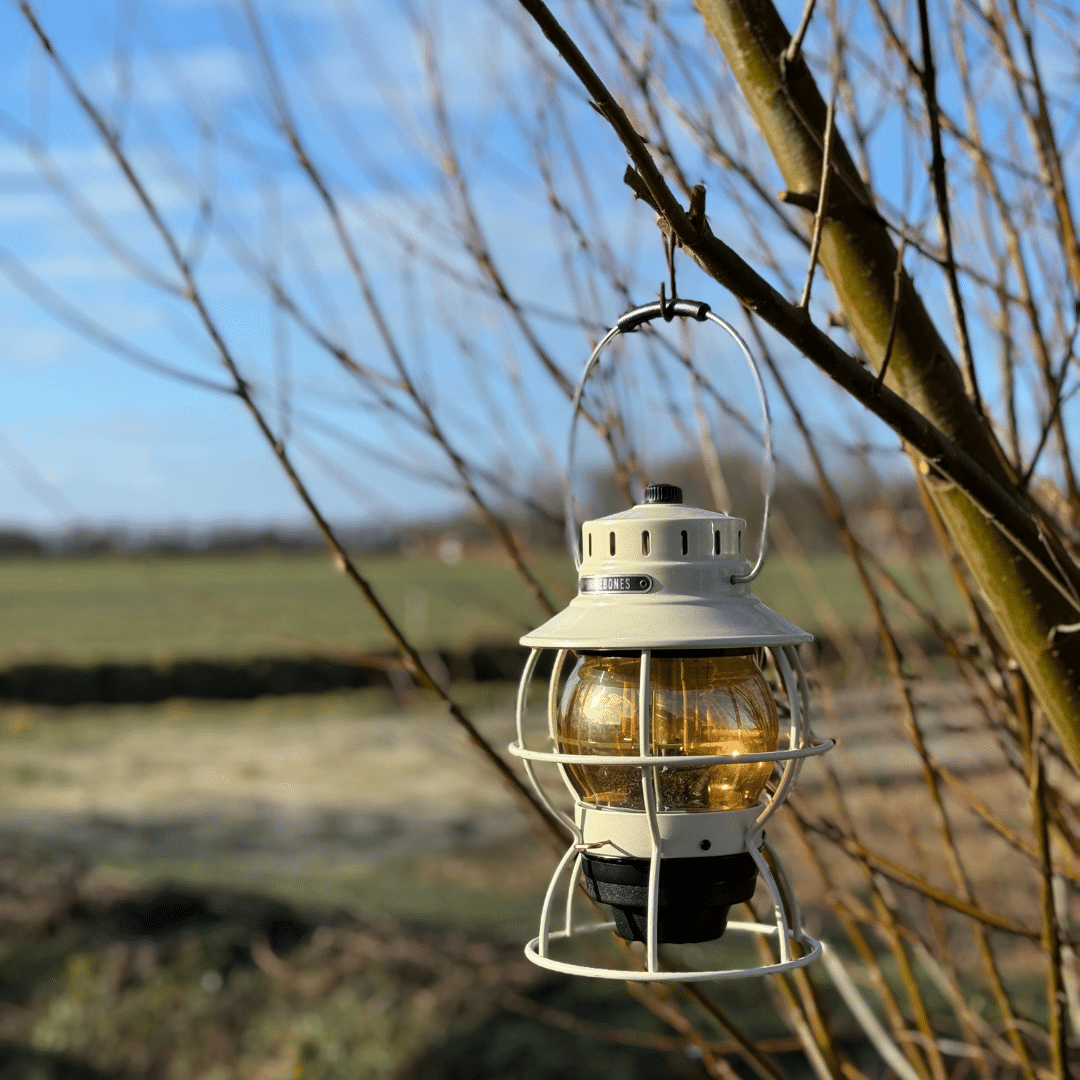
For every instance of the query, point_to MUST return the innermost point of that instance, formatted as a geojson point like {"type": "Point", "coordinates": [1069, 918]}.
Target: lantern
{"type": "Point", "coordinates": [665, 729]}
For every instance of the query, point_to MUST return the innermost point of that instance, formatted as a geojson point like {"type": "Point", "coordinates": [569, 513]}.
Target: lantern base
{"type": "Point", "coordinates": [619, 833]}
{"type": "Point", "coordinates": [695, 895]}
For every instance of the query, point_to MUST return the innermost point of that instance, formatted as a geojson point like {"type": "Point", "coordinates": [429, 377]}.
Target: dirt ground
{"type": "Point", "coordinates": [316, 799]}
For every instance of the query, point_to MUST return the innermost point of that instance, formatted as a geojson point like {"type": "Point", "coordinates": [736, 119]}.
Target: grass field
{"type": "Point", "coordinates": [158, 609]}
{"type": "Point", "coordinates": [125, 954]}
{"type": "Point", "coordinates": [356, 801]}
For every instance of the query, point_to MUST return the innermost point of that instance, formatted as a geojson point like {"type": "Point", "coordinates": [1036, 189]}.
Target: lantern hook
{"type": "Point", "coordinates": [667, 308]}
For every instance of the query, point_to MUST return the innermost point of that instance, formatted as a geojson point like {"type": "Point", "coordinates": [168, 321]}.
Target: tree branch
{"type": "Point", "coordinates": [823, 198]}
{"type": "Point", "coordinates": [928, 80]}
{"type": "Point", "coordinates": [1004, 524]}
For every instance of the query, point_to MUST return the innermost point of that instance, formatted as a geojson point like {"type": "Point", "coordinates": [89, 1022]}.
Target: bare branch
{"type": "Point", "coordinates": [823, 199]}
{"type": "Point", "coordinates": [894, 319]}
{"type": "Point", "coordinates": [788, 56]}
{"type": "Point", "coordinates": [928, 78]}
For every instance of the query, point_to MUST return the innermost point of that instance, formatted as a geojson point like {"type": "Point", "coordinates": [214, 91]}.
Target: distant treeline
{"type": "Point", "coordinates": [885, 514]}
{"type": "Point", "coordinates": [86, 541]}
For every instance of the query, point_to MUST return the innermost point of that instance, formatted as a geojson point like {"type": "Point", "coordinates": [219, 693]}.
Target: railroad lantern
{"type": "Point", "coordinates": [664, 726]}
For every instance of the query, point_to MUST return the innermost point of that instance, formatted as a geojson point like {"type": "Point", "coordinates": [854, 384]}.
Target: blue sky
{"type": "Point", "coordinates": [116, 443]}
{"type": "Point", "coordinates": [88, 438]}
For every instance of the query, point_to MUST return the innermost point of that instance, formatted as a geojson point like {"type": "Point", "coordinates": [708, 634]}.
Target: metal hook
{"type": "Point", "coordinates": [667, 307]}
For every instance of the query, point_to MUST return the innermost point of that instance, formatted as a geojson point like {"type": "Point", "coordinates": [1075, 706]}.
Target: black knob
{"type": "Point", "coordinates": [663, 493]}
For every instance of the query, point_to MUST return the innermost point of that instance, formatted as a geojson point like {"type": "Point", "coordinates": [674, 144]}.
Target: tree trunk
{"type": "Point", "coordinates": [859, 257]}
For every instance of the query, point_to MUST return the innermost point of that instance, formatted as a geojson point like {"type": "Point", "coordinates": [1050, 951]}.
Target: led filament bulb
{"type": "Point", "coordinates": [701, 704]}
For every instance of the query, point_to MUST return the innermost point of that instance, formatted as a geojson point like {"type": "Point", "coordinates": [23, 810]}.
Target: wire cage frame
{"type": "Point", "coordinates": [787, 927]}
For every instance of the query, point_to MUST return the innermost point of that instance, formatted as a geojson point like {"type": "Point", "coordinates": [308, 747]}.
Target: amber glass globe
{"type": "Point", "coordinates": [700, 705]}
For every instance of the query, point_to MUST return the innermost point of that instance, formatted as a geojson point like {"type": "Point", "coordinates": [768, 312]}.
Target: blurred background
{"type": "Point", "coordinates": [263, 262]}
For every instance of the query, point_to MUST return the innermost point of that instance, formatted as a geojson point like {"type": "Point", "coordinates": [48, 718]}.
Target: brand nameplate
{"type": "Point", "coordinates": [633, 583]}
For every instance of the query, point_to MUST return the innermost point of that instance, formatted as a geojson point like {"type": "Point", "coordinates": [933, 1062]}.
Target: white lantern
{"type": "Point", "coordinates": [666, 731]}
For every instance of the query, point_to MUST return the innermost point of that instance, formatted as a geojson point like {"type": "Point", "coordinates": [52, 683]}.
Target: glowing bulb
{"type": "Point", "coordinates": [700, 705]}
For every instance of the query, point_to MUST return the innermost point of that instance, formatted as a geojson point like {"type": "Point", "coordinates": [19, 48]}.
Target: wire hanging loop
{"type": "Point", "coordinates": [629, 323]}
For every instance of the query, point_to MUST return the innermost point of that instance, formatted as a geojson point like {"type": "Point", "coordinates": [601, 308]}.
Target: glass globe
{"type": "Point", "coordinates": [700, 705]}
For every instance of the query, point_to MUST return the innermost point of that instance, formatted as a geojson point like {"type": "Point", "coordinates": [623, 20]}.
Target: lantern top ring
{"type": "Point", "coordinates": [630, 323]}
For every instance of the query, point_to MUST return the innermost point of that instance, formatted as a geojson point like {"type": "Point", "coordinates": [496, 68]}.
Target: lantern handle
{"type": "Point", "coordinates": [629, 324]}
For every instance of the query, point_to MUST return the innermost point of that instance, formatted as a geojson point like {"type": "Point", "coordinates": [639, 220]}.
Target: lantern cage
{"type": "Point", "coordinates": [662, 581]}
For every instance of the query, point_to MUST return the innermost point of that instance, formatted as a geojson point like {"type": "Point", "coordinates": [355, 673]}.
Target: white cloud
{"type": "Point", "coordinates": [214, 74]}
{"type": "Point", "coordinates": [33, 345]}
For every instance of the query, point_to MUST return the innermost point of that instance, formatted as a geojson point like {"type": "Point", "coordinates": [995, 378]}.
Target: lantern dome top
{"type": "Point", "coordinates": [659, 576]}
{"type": "Point", "coordinates": [659, 511]}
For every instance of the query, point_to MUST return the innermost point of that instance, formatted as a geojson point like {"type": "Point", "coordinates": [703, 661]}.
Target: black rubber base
{"type": "Point", "coordinates": [695, 894]}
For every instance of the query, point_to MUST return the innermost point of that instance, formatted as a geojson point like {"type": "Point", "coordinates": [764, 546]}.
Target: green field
{"type": "Point", "coordinates": [158, 609]}
{"type": "Point", "coordinates": [368, 814]}
{"type": "Point", "coordinates": [85, 610]}
{"type": "Point", "coordinates": [348, 808]}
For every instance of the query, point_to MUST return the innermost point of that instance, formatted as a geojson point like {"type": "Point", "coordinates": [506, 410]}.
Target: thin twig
{"type": "Point", "coordinates": [1056, 1000]}
{"type": "Point", "coordinates": [660, 194]}
{"type": "Point", "coordinates": [1056, 402]}
{"type": "Point", "coordinates": [822, 202]}
{"type": "Point", "coordinates": [843, 907]}
{"type": "Point", "coordinates": [898, 874]}
{"type": "Point", "coordinates": [789, 1004]}
{"type": "Point", "coordinates": [894, 318]}
{"type": "Point", "coordinates": [928, 79]}
{"type": "Point", "coordinates": [789, 55]}
{"type": "Point", "coordinates": [761, 1063]}
{"type": "Point", "coordinates": [66, 313]}
{"type": "Point", "coordinates": [660, 1001]}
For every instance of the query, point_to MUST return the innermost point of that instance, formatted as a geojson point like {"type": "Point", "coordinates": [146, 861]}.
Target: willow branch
{"type": "Point", "coordinates": [341, 556]}
{"type": "Point", "coordinates": [822, 203]}
{"type": "Point", "coordinates": [928, 80]}
{"type": "Point", "coordinates": [721, 262]}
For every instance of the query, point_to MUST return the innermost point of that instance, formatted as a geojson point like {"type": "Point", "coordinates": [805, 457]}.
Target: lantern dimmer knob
{"type": "Point", "coordinates": [662, 493]}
